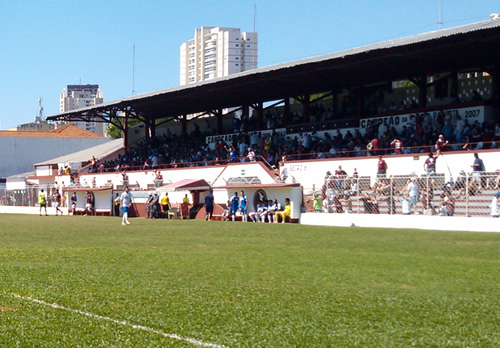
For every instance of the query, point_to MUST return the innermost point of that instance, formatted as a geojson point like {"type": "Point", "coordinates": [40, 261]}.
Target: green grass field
{"type": "Point", "coordinates": [243, 285]}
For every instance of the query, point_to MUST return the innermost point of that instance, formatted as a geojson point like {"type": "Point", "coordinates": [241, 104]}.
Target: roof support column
{"type": "Point", "coordinates": [454, 85]}
{"type": "Point", "coordinates": [259, 111]}
{"type": "Point", "coordinates": [125, 130]}
{"type": "Point", "coordinates": [184, 127]}
{"type": "Point", "coordinates": [219, 124]}
{"type": "Point", "coordinates": [495, 82]}
{"type": "Point", "coordinates": [421, 83]}
{"type": "Point", "coordinates": [286, 109]}
{"type": "Point", "coordinates": [306, 102]}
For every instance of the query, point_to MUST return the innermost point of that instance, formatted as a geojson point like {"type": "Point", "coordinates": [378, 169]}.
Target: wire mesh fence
{"type": "Point", "coordinates": [468, 194]}
{"type": "Point", "coordinates": [28, 197]}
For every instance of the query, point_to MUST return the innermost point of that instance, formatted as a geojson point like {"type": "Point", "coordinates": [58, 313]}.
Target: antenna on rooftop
{"type": "Point", "coordinates": [133, 70]}
{"type": "Point", "coordinates": [440, 14]}
{"type": "Point", "coordinates": [39, 117]}
{"type": "Point", "coordinates": [254, 41]}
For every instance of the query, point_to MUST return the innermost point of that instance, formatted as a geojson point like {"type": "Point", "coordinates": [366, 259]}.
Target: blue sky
{"type": "Point", "coordinates": [46, 45]}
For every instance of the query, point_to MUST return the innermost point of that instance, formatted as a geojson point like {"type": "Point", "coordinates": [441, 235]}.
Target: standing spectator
{"type": "Point", "coordinates": [125, 178]}
{"type": "Point", "coordinates": [42, 200]}
{"type": "Point", "coordinates": [156, 205]}
{"type": "Point", "coordinates": [340, 176]}
{"type": "Point", "coordinates": [316, 201]}
{"type": "Point", "coordinates": [88, 204]}
{"type": "Point", "coordinates": [495, 205]}
{"type": "Point", "coordinates": [381, 168]}
{"type": "Point", "coordinates": [74, 200]}
{"type": "Point", "coordinates": [398, 146]}
{"type": "Point", "coordinates": [209, 206]}
{"type": "Point", "coordinates": [477, 170]}
{"type": "Point", "coordinates": [441, 144]}
{"type": "Point", "coordinates": [116, 204]}
{"type": "Point", "coordinates": [413, 193]}
{"type": "Point", "coordinates": [251, 155]}
{"type": "Point", "coordinates": [149, 207]}
{"type": "Point", "coordinates": [126, 201]}
{"type": "Point", "coordinates": [430, 165]}
{"type": "Point", "coordinates": [373, 147]}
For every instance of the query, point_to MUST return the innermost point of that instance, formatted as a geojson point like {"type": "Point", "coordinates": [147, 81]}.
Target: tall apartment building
{"type": "Point", "coordinates": [216, 52]}
{"type": "Point", "coordinates": [80, 96]}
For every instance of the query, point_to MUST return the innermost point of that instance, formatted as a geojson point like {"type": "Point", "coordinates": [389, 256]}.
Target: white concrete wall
{"type": "Point", "coordinates": [442, 223]}
{"type": "Point", "coordinates": [20, 153]}
{"type": "Point", "coordinates": [312, 173]}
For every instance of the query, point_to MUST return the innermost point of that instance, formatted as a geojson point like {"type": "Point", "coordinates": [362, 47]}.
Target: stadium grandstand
{"type": "Point", "coordinates": [278, 128]}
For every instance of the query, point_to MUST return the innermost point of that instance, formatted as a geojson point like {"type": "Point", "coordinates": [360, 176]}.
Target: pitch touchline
{"type": "Point", "coordinates": [122, 322]}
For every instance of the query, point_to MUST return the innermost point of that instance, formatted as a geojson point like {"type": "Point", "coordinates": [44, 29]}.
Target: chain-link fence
{"type": "Point", "coordinates": [28, 197]}
{"type": "Point", "coordinates": [467, 194]}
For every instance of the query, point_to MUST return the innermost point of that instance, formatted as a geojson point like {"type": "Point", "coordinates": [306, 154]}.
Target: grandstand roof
{"type": "Point", "coordinates": [473, 47]}
{"type": "Point", "coordinates": [98, 151]}
{"type": "Point", "coordinates": [66, 131]}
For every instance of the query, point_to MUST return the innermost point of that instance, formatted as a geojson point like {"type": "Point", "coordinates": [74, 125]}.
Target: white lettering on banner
{"type": "Point", "coordinates": [398, 121]}
{"type": "Point", "coordinates": [228, 138]}
{"type": "Point", "coordinates": [297, 168]}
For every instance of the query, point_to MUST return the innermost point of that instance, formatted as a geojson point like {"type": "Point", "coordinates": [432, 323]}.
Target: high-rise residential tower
{"type": "Point", "coordinates": [217, 52]}
{"type": "Point", "coordinates": [80, 96]}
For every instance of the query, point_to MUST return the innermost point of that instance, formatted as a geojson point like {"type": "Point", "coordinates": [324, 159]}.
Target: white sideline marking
{"type": "Point", "coordinates": [122, 322]}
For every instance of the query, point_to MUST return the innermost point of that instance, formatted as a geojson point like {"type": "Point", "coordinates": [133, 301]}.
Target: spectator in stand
{"type": "Point", "coordinates": [447, 129]}
{"type": "Point", "coordinates": [398, 146]}
{"type": "Point", "coordinates": [381, 167]}
{"type": "Point", "coordinates": [251, 155]}
{"type": "Point", "coordinates": [459, 132]}
{"type": "Point", "coordinates": [374, 147]}
{"type": "Point", "coordinates": [495, 205]}
{"type": "Point", "coordinates": [346, 200]}
{"type": "Point", "coordinates": [340, 176]}
{"type": "Point", "coordinates": [317, 203]}
{"type": "Point", "coordinates": [125, 178]}
{"type": "Point", "coordinates": [413, 193]}
{"type": "Point", "coordinates": [477, 170]}
{"type": "Point", "coordinates": [449, 202]}
{"type": "Point", "coordinates": [441, 145]}
{"type": "Point", "coordinates": [430, 165]}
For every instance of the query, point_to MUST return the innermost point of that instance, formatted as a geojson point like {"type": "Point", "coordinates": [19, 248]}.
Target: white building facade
{"type": "Point", "coordinates": [217, 52]}
{"type": "Point", "coordinates": [80, 96]}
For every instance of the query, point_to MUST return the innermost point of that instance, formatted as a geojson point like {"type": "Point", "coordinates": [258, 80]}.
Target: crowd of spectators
{"type": "Point", "coordinates": [419, 135]}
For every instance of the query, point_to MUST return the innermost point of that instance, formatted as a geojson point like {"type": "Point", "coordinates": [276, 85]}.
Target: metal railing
{"type": "Point", "coordinates": [469, 194]}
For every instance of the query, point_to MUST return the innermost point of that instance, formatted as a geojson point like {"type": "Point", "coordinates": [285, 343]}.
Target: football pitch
{"type": "Point", "coordinates": [90, 282]}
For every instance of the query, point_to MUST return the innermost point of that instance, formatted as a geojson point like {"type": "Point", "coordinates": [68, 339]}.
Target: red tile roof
{"type": "Point", "coordinates": [66, 131]}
